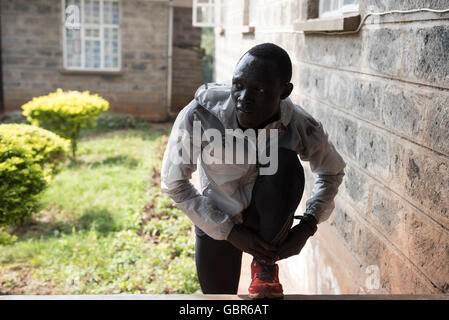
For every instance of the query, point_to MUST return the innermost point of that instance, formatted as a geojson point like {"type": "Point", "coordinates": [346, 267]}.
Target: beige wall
{"type": "Point", "coordinates": [383, 96]}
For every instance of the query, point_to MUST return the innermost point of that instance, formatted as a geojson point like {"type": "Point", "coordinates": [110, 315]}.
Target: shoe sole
{"type": "Point", "coordinates": [266, 294]}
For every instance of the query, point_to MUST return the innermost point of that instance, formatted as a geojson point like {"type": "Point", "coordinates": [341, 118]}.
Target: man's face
{"type": "Point", "coordinates": [256, 91]}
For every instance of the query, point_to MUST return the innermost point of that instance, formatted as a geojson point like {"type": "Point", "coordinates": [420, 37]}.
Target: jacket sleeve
{"type": "Point", "coordinates": [325, 162]}
{"type": "Point", "coordinates": [179, 162]}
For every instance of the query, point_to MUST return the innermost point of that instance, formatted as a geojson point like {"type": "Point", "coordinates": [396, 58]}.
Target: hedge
{"type": "Point", "coordinates": [29, 158]}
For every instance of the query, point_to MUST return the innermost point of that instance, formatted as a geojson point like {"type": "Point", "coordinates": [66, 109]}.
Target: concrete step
{"type": "Point", "coordinates": [220, 297]}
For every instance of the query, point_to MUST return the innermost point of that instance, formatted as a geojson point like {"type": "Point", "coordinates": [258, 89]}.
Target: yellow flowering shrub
{"type": "Point", "coordinates": [29, 157]}
{"type": "Point", "coordinates": [65, 112]}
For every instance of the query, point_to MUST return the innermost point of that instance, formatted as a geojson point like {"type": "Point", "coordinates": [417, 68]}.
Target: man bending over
{"type": "Point", "coordinates": [240, 206]}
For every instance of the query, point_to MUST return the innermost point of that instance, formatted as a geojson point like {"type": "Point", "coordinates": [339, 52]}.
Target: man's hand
{"type": "Point", "coordinates": [296, 239]}
{"type": "Point", "coordinates": [248, 241]}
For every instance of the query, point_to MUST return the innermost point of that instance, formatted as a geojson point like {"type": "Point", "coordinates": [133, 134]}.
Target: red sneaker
{"type": "Point", "coordinates": [265, 282]}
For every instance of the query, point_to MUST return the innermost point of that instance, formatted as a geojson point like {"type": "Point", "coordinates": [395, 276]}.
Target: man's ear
{"type": "Point", "coordinates": [288, 88]}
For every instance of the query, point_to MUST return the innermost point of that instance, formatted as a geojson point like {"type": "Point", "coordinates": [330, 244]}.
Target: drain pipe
{"type": "Point", "coordinates": [170, 59]}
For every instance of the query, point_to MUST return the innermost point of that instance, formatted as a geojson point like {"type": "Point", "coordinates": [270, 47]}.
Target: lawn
{"type": "Point", "coordinates": [104, 226]}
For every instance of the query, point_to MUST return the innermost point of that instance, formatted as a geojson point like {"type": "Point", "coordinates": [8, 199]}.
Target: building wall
{"type": "Point", "coordinates": [383, 96]}
{"type": "Point", "coordinates": [187, 58]}
{"type": "Point", "coordinates": [32, 57]}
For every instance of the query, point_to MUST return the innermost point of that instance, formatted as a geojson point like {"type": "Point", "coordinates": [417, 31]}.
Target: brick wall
{"type": "Point", "coordinates": [32, 57]}
{"type": "Point", "coordinates": [383, 96]}
{"type": "Point", "coordinates": [187, 58]}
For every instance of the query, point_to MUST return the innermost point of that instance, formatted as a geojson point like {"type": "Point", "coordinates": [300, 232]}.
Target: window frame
{"type": "Point", "coordinates": [339, 21]}
{"type": "Point", "coordinates": [248, 27]}
{"type": "Point", "coordinates": [342, 9]}
{"type": "Point", "coordinates": [101, 26]}
{"type": "Point", "coordinates": [210, 4]}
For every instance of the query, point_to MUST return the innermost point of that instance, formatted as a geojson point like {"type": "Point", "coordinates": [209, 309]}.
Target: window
{"type": "Point", "coordinates": [203, 13]}
{"type": "Point", "coordinates": [252, 12]}
{"type": "Point", "coordinates": [330, 16]}
{"type": "Point", "coordinates": [249, 17]}
{"type": "Point", "coordinates": [329, 8]}
{"type": "Point", "coordinates": [91, 32]}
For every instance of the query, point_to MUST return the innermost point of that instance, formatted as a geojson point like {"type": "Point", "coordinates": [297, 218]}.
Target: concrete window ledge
{"type": "Point", "coordinates": [223, 297]}
{"type": "Point", "coordinates": [334, 24]}
{"type": "Point", "coordinates": [248, 30]}
{"type": "Point", "coordinates": [91, 72]}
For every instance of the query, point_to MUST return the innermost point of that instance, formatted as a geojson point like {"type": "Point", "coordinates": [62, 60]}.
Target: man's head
{"type": "Point", "coordinates": [261, 80]}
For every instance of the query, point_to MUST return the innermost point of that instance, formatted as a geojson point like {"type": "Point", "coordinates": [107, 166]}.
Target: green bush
{"type": "Point", "coordinates": [115, 121]}
{"type": "Point", "coordinates": [45, 147]}
{"type": "Point", "coordinates": [29, 157]}
{"type": "Point", "coordinates": [65, 113]}
{"type": "Point", "coordinates": [6, 238]}
{"type": "Point", "coordinates": [15, 118]}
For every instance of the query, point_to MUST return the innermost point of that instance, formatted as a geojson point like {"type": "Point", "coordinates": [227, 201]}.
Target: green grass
{"type": "Point", "coordinates": [104, 226]}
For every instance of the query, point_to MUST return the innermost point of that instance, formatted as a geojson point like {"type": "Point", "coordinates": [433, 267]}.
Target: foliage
{"type": "Point", "coordinates": [44, 147]}
{"type": "Point", "coordinates": [29, 157]}
{"type": "Point", "coordinates": [15, 118]}
{"type": "Point", "coordinates": [207, 43]}
{"type": "Point", "coordinates": [65, 113]}
{"type": "Point", "coordinates": [6, 238]}
{"type": "Point", "coordinates": [110, 121]}
{"type": "Point", "coordinates": [122, 235]}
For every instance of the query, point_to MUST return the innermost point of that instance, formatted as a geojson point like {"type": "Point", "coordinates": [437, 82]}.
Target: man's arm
{"type": "Point", "coordinates": [178, 165]}
{"type": "Point", "coordinates": [326, 163]}
{"type": "Point", "coordinates": [314, 146]}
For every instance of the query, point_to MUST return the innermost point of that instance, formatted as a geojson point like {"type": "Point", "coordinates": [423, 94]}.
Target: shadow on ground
{"type": "Point", "coordinates": [98, 219]}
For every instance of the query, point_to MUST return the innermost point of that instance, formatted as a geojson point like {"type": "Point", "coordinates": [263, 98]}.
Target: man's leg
{"type": "Point", "coordinates": [218, 264]}
{"type": "Point", "coordinates": [270, 214]}
{"type": "Point", "coordinates": [275, 199]}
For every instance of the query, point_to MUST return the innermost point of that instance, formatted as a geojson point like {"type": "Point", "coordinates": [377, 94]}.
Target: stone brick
{"type": "Point", "coordinates": [344, 132]}
{"type": "Point", "coordinates": [184, 34]}
{"type": "Point", "coordinates": [360, 95]}
{"type": "Point", "coordinates": [331, 51]}
{"type": "Point", "coordinates": [437, 133]}
{"type": "Point", "coordinates": [385, 51]}
{"type": "Point", "coordinates": [51, 64]}
{"type": "Point", "coordinates": [419, 238]}
{"type": "Point", "coordinates": [397, 275]}
{"type": "Point", "coordinates": [139, 66]}
{"type": "Point", "coordinates": [365, 98]}
{"type": "Point", "coordinates": [423, 177]}
{"type": "Point", "coordinates": [340, 89]}
{"type": "Point", "coordinates": [345, 226]}
{"type": "Point", "coordinates": [382, 5]}
{"type": "Point", "coordinates": [404, 111]}
{"type": "Point", "coordinates": [313, 81]}
{"type": "Point", "coordinates": [12, 85]}
{"type": "Point", "coordinates": [418, 114]}
{"type": "Point", "coordinates": [428, 246]}
{"type": "Point", "coordinates": [411, 53]}
{"type": "Point", "coordinates": [44, 9]}
{"type": "Point", "coordinates": [432, 55]}
{"type": "Point", "coordinates": [373, 152]}
{"type": "Point", "coordinates": [356, 187]}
